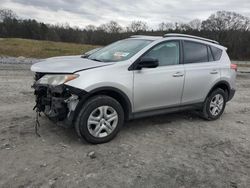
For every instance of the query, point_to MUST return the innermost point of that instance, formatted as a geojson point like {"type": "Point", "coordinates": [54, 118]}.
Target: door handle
{"type": "Point", "coordinates": [214, 72]}
{"type": "Point", "coordinates": [178, 74]}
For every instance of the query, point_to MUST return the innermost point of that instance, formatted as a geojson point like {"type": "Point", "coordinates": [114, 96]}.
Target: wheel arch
{"type": "Point", "coordinates": [115, 93]}
{"type": "Point", "coordinates": [224, 85]}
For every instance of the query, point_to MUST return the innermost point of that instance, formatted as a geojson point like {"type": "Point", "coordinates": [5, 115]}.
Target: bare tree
{"type": "Point", "coordinates": [182, 26]}
{"type": "Point", "coordinates": [224, 20]}
{"type": "Point", "coordinates": [111, 27]}
{"type": "Point", "coordinates": [114, 27]}
{"type": "Point", "coordinates": [7, 14]}
{"type": "Point", "coordinates": [137, 26]}
{"type": "Point", "coordinates": [166, 26]}
{"type": "Point", "coordinates": [90, 28]}
{"type": "Point", "coordinates": [195, 24]}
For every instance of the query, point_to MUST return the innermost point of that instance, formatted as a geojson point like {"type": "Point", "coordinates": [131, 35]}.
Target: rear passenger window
{"type": "Point", "coordinates": [216, 53]}
{"type": "Point", "coordinates": [195, 52]}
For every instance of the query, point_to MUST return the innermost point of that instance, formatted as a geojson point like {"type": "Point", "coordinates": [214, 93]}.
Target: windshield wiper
{"type": "Point", "coordinates": [85, 56]}
{"type": "Point", "coordinates": [94, 59]}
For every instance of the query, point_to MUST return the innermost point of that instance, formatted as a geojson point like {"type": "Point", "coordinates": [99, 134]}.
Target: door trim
{"type": "Point", "coordinates": [166, 110]}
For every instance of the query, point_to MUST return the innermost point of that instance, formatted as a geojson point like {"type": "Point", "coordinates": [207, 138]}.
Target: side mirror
{"type": "Point", "coordinates": [147, 62]}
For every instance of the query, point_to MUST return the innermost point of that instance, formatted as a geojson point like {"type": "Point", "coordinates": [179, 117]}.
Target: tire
{"type": "Point", "coordinates": [100, 119]}
{"type": "Point", "coordinates": [212, 108]}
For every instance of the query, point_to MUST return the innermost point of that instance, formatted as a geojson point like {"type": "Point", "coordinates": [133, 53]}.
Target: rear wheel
{"type": "Point", "coordinates": [214, 105]}
{"type": "Point", "coordinates": [100, 119]}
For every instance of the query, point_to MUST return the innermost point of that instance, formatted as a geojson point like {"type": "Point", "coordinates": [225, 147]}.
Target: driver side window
{"type": "Point", "coordinates": [167, 53]}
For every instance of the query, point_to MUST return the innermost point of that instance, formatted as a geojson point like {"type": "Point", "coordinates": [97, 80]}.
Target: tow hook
{"type": "Point", "coordinates": [72, 102]}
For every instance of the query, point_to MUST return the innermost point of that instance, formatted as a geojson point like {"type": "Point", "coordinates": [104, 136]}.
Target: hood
{"type": "Point", "coordinates": [66, 64]}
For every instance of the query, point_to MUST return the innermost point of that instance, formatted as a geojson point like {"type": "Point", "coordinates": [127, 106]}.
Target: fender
{"type": "Point", "coordinates": [221, 82]}
{"type": "Point", "coordinates": [110, 91]}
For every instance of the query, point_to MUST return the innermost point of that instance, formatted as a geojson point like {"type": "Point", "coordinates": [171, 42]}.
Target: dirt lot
{"type": "Point", "coordinates": [175, 150]}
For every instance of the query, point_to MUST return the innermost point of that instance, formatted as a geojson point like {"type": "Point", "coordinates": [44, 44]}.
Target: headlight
{"type": "Point", "coordinates": [56, 79]}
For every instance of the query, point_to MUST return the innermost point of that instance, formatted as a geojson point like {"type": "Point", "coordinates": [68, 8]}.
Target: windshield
{"type": "Point", "coordinates": [120, 50]}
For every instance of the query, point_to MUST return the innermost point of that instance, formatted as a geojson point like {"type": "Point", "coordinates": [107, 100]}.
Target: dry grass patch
{"type": "Point", "coordinates": [40, 49]}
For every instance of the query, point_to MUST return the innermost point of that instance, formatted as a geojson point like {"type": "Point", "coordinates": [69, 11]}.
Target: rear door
{"type": "Point", "coordinates": [162, 86]}
{"type": "Point", "coordinates": [201, 71]}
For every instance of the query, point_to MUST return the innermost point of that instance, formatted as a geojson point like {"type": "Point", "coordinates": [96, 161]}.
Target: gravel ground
{"type": "Point", "coordinates": [174, 150]}
{"type": "Point", "coordinates": [18, 60]}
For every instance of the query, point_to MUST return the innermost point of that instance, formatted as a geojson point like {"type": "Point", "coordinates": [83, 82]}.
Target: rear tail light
{"type": "Point", "coordinates": [234, 67]}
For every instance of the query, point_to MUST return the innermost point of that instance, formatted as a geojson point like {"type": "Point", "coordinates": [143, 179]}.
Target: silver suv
{"type": "Point", "coordinates": [133, 78]}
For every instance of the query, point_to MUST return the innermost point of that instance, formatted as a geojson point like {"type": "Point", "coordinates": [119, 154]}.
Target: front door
{"type": "Point", "coordinates": [160, 87]}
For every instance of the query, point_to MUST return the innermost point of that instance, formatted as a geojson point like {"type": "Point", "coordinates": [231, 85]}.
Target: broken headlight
{"type": "Point", "coordinates": [56, 79]}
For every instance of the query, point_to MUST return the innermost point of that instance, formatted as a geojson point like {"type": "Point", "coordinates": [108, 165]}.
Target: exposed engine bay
{"type": "Point", "coordinates": [58, 103]}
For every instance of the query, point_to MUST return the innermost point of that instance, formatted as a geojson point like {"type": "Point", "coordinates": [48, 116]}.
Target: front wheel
{"type": "Point", "coordinates": [214, 105]}
{"type": "Point", "coordinates": [100, 119]}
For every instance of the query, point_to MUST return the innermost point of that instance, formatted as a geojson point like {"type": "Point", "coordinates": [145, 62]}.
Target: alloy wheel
{"type": "Point", "coordinates": [216, 104]}
{"type": "Point", "coordinates": [102, 121]}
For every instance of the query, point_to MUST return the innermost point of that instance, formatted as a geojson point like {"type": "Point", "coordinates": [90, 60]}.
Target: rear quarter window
{"type": "Point", "coordinates": [195, 52]}
{"type": "Point", "coordinates": [216, 53]}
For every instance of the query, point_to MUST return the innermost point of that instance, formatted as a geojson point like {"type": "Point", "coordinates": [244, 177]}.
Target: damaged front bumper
{"type": "Point", "coordinates": [58, 103]}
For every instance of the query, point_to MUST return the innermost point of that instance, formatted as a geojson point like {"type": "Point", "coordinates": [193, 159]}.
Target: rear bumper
{"type": "Point", "coordinates": [231, 94]}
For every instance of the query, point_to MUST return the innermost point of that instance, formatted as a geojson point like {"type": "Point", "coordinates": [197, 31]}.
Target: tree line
{"type": "Point", "coordinates": [228, 28]}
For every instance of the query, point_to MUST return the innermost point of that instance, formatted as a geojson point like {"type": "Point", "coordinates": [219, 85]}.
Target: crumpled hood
{"type": "Point", "coordinates": [66, 64]}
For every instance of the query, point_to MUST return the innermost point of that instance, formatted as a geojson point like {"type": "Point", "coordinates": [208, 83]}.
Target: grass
{"type": "Point", "coordinates": [16, 47]}
{"type": "Point", "coordinates": [243, 65]}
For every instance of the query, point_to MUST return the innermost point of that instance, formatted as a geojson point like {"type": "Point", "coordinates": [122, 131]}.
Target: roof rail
{"type": "Point", "coordinates": [138, 36]}
{"type": "Point", "coordinates": [145, 36]}
{"type": "Point", "coordinates": [190, 36]}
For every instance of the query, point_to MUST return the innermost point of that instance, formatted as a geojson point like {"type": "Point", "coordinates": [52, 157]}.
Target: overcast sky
{"type": "Point", "coordinates": [84, 12]}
